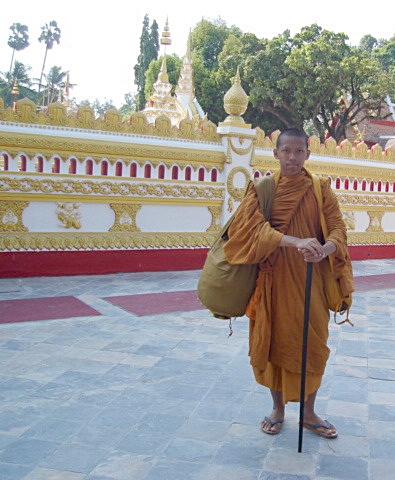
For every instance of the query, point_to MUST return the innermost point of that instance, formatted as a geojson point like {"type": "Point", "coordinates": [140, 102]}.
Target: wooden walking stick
{"type": "Point", "coordinates": [309, 276]}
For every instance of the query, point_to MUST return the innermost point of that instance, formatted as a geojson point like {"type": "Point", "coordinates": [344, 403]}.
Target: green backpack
{"type": "Point", "coordinates": [223, 288]}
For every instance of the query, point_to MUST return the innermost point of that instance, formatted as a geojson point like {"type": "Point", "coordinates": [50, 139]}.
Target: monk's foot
{"type": "Point", "coordinates": [272, 424]}
{"type": "Point", "coordinates": [320, 427]}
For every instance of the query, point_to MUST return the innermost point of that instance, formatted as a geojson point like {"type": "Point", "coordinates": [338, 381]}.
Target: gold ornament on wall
{"type": "Point", "coordinates": [238, 192]}
{"type": "Point", "coordinates": [375, 218]}
{"type": "Point", "coordinates": [11, 216]}
{"type": "Point", "coordinates": [349, 219]}
{"type": "Point", "coordinates": [69, 215]}
{"type": "Point", "coordinates": [215, 218]}
{"type": "Point", "coordinates": [125, 217]}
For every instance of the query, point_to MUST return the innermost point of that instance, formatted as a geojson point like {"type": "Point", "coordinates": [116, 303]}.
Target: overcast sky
{"type": "Point", "coordinates": [100, 41]}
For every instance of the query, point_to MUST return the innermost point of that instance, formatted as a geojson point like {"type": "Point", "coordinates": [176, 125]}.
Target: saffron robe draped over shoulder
{"type": "Point", "coordinates": [276, 309]}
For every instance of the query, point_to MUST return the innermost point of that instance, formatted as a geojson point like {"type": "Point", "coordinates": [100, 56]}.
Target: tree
{"type": "Point", "coordinates": [173, 67]}
{"type": "Point", "coordinates": [50, 33]}
{"type": "Point", "coordinates": [316, 76]}
{"type": "Point", "coordinates": [56, 81]}
{"type": "Point", "coordinates": [149, 47]}
{"type": "Point", "coordinates": [20, 75]}
{"type": "Point", "coordinates": [100, 108]}
{"type": "Point", "coordinates": [368, 43]}
{"type": "Point", "coordinates": [129, 106]}
{"type": "Point", "coordinates": [208, 38]}
{"type": "Point", "coordinates": [385, 54]}
{"type": "Point", "coordinates": [18, 39]}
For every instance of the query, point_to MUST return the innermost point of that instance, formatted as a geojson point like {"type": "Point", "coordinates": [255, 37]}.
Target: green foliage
{"type": "Point", "coordinates": [303, 79]}
{"type": "Point", "coordinates": [50, 33]}
{"type": "Point", "coordinates": [149, 47]}
{"type": "Point", "coordinates": [173, 67]}
{"type": "Point", "coordinates": [55, 82]}
{"type": "Point", "coordinates": [385, 54]}
{"type": "Point", "coordinates": [18, 39]}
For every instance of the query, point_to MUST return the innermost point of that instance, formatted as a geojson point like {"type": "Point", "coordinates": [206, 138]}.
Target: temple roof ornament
{"type": "Point", "coordinates": [235, 102]}
{"type": "Point", "coordinates": [182, 105]}
{"type": "Point", "coordinates": [185, 89]}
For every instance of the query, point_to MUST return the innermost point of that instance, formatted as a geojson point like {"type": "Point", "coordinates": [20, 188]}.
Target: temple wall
{"type": "Point", "coordinates": [83, 195]}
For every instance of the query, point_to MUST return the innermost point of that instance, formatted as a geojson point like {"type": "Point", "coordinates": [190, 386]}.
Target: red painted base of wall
{"type": "Point", "coordinates": [37, 264]}
{"type": "Point", "coordinates": [373, 252]}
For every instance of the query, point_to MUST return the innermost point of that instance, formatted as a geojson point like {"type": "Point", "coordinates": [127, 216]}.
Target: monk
{"type": "Point", "coordinates": [282, 247]}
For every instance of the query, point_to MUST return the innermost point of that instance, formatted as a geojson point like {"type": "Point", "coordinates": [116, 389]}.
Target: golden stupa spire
{"type": "Point", "coordinates": [165, 39]}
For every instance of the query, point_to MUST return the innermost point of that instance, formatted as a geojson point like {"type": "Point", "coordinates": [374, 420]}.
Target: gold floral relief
{"type": "Point", "coordinates": [69, 215]}
{"type": "Point", "coordinates": [240, 150]}
{"type": "Point", "coordinates": [237, 193]}
{"type": "Point", "coordinates": [349, 219]}
{"type": "Point", "coordinates": [125, 217]}
{"type": "Point", "coordinates": [375, 218]}
{"type": "Point", "coordinates": [215, 218]}
{"type": "Point", "coordinates": [11, 216]}
{"type": "Point", "coordinates": [90, 187]}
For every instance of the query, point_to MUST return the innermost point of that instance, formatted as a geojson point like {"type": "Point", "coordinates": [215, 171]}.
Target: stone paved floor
{"type": "Point", "coordinates": [172, 397]}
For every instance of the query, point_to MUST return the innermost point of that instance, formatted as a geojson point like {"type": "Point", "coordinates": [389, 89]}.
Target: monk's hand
{"type": "Point", "coordinates": [311, 249]}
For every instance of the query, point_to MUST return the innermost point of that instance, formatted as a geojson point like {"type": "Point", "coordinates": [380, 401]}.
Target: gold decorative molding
{"type": "Point", "coordinates": [11, 216]}
{"type": "Point", "coordinates": [343, 171]}
{"type": "Point", "coordinates": [15, 241]}
{"type": "Point", "coordinates": [368, 200]}
{"type": "Point", "coordinates": [66, 147]}
{"type": "Point", "coordinates": [112, 121]}
{"type": "Point", "coordinates": [238, 192]}
{"type": "Point", "coordinates": [125, 217]}
{"type": "Point", "coordinates": [104, 241]}
{"type": "Point", "coordinates": [240, 150]}
{"type": "Point", "coordinates": [330, 149]}
{"type": "Point", "coordinates": [371, 238]}
{"type": "Point", "coordinates": [107, 188]}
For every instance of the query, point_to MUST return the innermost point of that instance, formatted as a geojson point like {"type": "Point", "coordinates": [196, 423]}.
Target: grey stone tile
{"type": "Point", "coordinates": [10, 471]}
{"type": "Point", "coordinates": [122, 466]}
{"type": "Point", "coordinates": [39, 473]}
{"type": "Point", "coordinates": [382, 470]}
{"type": "Point", "coordinates": [52, 430]}
{"type": "Point", "coordinates": [343, 467]}
{"type": "Point", "coordinates": [190, 450]}
{"type": "Point", "coordinates": [74, 458]}
{"type": "Point", "coordinates": [171, 394]}
{"type": "Point", "coordinates": [27, 451]}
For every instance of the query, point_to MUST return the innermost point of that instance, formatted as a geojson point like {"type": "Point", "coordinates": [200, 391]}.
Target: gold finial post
{"type": "Point", "coordinates": [14, 93]}
{"type": "Point", "coordinates": [235, 101]}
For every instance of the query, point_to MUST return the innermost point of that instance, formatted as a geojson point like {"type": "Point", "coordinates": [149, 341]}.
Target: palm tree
{"type": "Point", "coordinates": [50, 33]}
{"type": "Point", "coordinates": [18, 40]}
{"type": "Point", "coordinates": [19, 76]}
{"type": "Point", "coordinates": [56, 81]}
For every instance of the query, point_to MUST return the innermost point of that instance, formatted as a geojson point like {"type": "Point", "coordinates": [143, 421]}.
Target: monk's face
{"type": "Point", "coordinates": [292, 153]}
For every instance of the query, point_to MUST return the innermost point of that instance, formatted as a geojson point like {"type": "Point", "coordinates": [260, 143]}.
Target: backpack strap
{"type": "Point", "coordinates": [324, 227]}
{"type": "Point", "coordinates": [318, 196]}
{"type": "Point", "coordinates": [265, 188]}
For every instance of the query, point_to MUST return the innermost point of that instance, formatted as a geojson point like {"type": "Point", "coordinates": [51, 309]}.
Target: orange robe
{"type": "Point", "coordinates": [276, 308]}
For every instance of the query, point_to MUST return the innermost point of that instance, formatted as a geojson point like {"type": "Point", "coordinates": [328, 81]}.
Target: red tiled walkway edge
{"type": "Point", "coordinates": [48, 308]}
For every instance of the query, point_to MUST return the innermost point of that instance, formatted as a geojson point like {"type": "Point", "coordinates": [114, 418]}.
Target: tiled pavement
{"type": "Point", "coordinates": [169, 396]}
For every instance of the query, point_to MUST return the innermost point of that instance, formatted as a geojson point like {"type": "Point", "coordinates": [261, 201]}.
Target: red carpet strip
{"type": "Point", "coordinates": [49, 308]}
{"type": "Point", "coordinates": [374, 282]}
{"type": "Point", "coordinates": [154, 303]}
